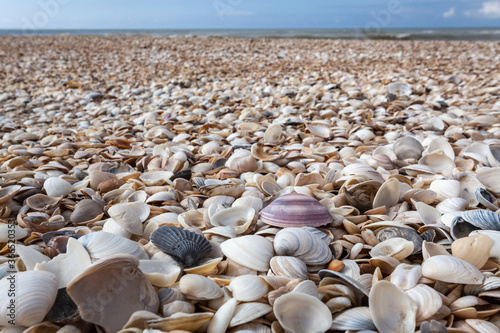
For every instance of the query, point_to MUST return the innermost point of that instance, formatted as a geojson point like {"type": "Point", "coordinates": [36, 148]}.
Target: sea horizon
{"type": "Point", "coordinates": [465, 34]}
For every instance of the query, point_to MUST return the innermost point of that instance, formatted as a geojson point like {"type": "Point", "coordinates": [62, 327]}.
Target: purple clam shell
{"type": "Point", "coordinates": [296, 210]}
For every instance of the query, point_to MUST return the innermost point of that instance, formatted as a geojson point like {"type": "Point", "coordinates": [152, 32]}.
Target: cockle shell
{"type": "Point", "coordinates": [108, 292]}
{"type": "Point", "coordinates": [303, 244]}
{"type": "Point", "coordinates": [391, 309]}
{"type": "Point", "coordinates": [302, 313]}
{"type": "Point", "coordinates": [290, 267]}
{"type": "Point", "coordinates": [452, 270]}
{"type": "Point", "coordinates": [246, 312]}
{"type": "Point", "coordinates": [198, 287]}
{"type": "Point", "coordinates": [357, 319]}
{"type": "Point", "coordinates": [188, 248]}
{"type": "Point", "coordinates": [296, 210]}
{"type": "Point", "coordinates": [32, 302]}
{"type": "Point", "coordinates": [250, 251]}
{"type": "Point", "coordinates": [247, 288]}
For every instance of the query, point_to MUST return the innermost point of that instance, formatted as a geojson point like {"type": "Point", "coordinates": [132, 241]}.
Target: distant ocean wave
{"type": "Point", "coordinates": [486, 34]}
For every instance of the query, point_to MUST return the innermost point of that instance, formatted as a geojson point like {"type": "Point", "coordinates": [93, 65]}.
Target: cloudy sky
{"type": "Point", "coordinates": [246, 14]}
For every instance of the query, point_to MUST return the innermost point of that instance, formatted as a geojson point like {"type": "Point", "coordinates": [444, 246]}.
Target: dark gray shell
{"type": "Point", "coordinates": [186, 247]}
{"type": "Point", "coordinates": [406, 233]}
{"type": "Point", "coordinates": [471, 220]}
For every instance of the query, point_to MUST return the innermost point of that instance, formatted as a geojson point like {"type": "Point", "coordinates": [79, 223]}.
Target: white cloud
{"type": "Point", "coordinates": [449, 13]}
{"type": "Point", "coordinates": [489, 9]}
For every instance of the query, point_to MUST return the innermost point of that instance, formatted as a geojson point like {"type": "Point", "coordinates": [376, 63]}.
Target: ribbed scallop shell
{"type": "Point", "coordinates": [186, 247]}
{"type": "Point", "coordinates": [303, 244]}
{"type": "Point", "coordinates": [296, 210]}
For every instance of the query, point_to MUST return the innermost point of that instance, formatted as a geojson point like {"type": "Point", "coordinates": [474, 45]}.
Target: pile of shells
{"type": "Point", "coordinates": [237, 185]}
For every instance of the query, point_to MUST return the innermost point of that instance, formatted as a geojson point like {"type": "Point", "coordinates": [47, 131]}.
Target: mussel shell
{"type": "Point", "coordinates": [64, 310]}
{"type": "Point", "coordinates": [471, 220]}
{"type": "Point", "coordinates": [186, 247]}
{"type": "Point", "coordinates": [405, 233]}
{"type": "Point", "coordinates": [296, 210]}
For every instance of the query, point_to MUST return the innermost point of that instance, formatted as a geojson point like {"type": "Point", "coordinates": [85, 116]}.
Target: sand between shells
{"type": "Point", "coordinates": [213, 185]}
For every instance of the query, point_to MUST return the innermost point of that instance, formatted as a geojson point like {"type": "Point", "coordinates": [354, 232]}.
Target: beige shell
{"type": "Point", "coordinates": [198, 287]}
{"type": "Point", "coordinates": [32, 302]}
{"type": "Point", "coordinates": [396, 247]}
{"type": "Point", "coordinates": [250, 251]}
{"type": "Point", "coordinates": [130, 215]}
{"type": "Point", "coordinates": [387, 194]}
{"type": "Point", "coordinates": [406, 276]}
{"type": "Point", "coordinates": [246, 312]}
{"type": "Point", "coordinates": [247, 288]}
{"type": "Point", "coordinates": [177, 306]}
{"type": "Point", "coordinates": [119, 281]}
{"type": "Point", "coordinates": [427, 299]}
{"type": "Point", "coordinates": [238, 218]}
{"type": "Point", "coordinates": [160, 273]}
{"type": "Point", "coordinates": [473, 249]}
{"type": "Point", "coordinates": [302, 313]}
{"type": "Point", "coordinates": [452, 270]}
{"type": "Point", "coordinates": [221, 319]}
{"type": "Point", "coordinates": [102, 244]}
{"type": "Point", "coordinates": [391, 309]}
{"type": "Point", "coordinates": [179, 321]}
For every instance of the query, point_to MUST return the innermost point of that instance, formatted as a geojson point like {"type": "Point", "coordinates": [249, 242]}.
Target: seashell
{"type": "Point", "coordinates": [159, 273]}
{"type": "Point", "coordinates": [66, 266]}
{"type": "Point", "coordinates": [407, 147]}
{"type": "Point", "coordinates": [471, 220]}
{"type": "Point", "coordinates": [114, 228]}
{"type": "Point", "coordinates": [396, 247]}
{"type": "Point", "coordinates": [452, 205]}
{"type": "Point", "coordinates": [406, 276]}
{"type": "Point", "coordinates": [482, 326]}
{"type": "Point", "coordinates": [238, 218]}
{"type": "Point", "coordinates": [445, 189]}
{"type": "Point", "coordinates": [138, 319]}
{"type": "Point", "coordinates": [473, 249]}
{"type": "Point", "coordinates": [351, 269]}
{"type": "Point", "coordinates": [32, 302]}
{"type": "Point", "coordinates": [206, 267]}
{"type": "Point", "coordinates": [102, 244]}
{"type": "Point", "coordinates": [301, 313]}
{"type": "Point", "coordinates": [187, 248]}
{"type": "Point", "coordinates": [29, 256]}
{"type": "Point", "coordinates": [490, 177]}
{"type": "Point", "coordinates": [179, 321]}
{"type": "Point", "coordinates": [252, 328]}
{"type": "Point", "coordinates": [387, 194]}
{"type": "Point", "coordinates": [428, 301]}
{"type": "Point", "coordinates": [130, 216]}
{"type": "Point", "coordinates": [86, 211]}
{"type": "Point", "coordinates": [302, 244]}
{"type": "Point", "coordinates": [399, 88]}
{"type": "Point", "coordinates": [250, 251]}
{"type": "Point", "coordinates": [428, 214]}
{"type": "Point", "coordinates": [452, 270]}
{"type": "Point", "coordinates": [406, 233]}
{"type": "Point", "coordinates": [247, 288]}
{"type": "Point", "coordinates": [267, 184]}
{"type": "Point", "coordinates": [169, 295]}
{"type": "Point", "coordinates": [391, 309]}
{"type": "Point", "coordinates": [307, 287]}
{"type": "Point", "coordinates": [42, 202]}
{"type": "Point", "coordinates": [156, 178]}
{"type": "Point", "coordinates": [290, 267]}
{"type": "Point", "coordinates": [430, 249]}
{"type": "Point", "coordinates": [358, 289]}
{"type": "Point", "coordinates": [242, 161]}
{"type": "Point", "coordinates": [433, 327]}
{"type": "Point", "coordinates": [274, 135]}
{"type": "Point", "coordinates": [356, 319]}
{"type": "Point", "coordinates": [495, 238]}
{"type": "Point", "coordinates": [439, 162]}
{"type": "Point", "coordinates": [177, 306]}
{"type": "Point", "coordinates": [486, 199]}
{"type": "Point", "coordinates": [246, 312]}
{"type": "Point", "coordinates": [11, 232]}
{"type": "Point", "coordinates": [249, 201]}
{"type": "Point", "coordinates": [221, 319]}
{"type": "Point", "coordinates": [57, 187]}
{"type": "Point", "coordinates": [126, 288]}
{"type": "Point", "coordinates": [320, 130]}
{"type": "Point", "coordinates": [8, 193]}
{"type": "Point", "coordinates": [296, 210]}
{"type": "Point", "coordinates": [198, 287]}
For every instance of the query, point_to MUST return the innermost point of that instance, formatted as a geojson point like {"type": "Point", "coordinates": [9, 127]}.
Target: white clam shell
{"type": "Point", "coordinates": [11, 232]}
{"type": "Point", "coordinates": [250, 251]}
{"type": "Point", "coordinates": [303, 244]}
{"type": "Point", "coordinates": [391, 309]}
{"type": "Point", "coordinates": [130, 215]}
{"type": "Point", "coordinates": [406, 276]}
{"type": "Point", "coordinates": [301, 313]}
{"type": "Point", "coordinates": [221, 319]}
{"type": "Point", "coordinates": [114, 228]}
{"type": "Point", "coordinates": [30, 256]}
{"type": "Point", "coordinates": [396, 247]}
{"type": "Point", "coordinates": [32, 302]}
{"type": "Point", "coordinates": [356, 319]}
{"type": "Point", "coordinates": [388, 194]}
{"type": "Point", "coordinates": [57, 187]}
{"type": "Point", "coordinates": [246, 312]}
{"type": "Point", "coordinates": [495, 237]}
{"type": "Point", "coordinates": [428, 301]}
{"type": "Point", "coordinates": [102, 244]}
{"type": "Point", "coordinates": [198, 287]}
{"type": "Point", "coordinates": [290, 267]}
{"type": "Point", "coordinates": [247, 288]}
{"type": "Point", "coordinates": [446, 188]}
{"type": "Point", "coordinates": [160, 273]}
{"type": "Point", "coordinates": [452, 270]}
{"type": "Point", "coordinates": [238, 218]}
{"type": "Point", "coordinates": [249, 201]}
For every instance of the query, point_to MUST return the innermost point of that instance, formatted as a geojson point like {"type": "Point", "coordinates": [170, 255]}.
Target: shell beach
{"type": "Point", "coordinates": [249, 185]}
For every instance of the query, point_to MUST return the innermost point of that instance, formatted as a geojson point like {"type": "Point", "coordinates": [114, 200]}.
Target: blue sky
{"type": "Point", "coordinates": [247, 14]}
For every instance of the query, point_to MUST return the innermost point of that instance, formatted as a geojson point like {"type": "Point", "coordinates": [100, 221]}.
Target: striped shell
{"type": "Point", "coordinates": [186, 247]}
{"type": "Point", "coordinates": [296, 210]}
